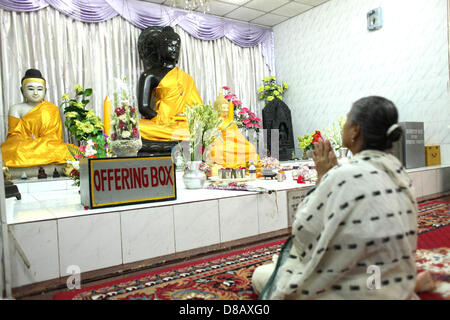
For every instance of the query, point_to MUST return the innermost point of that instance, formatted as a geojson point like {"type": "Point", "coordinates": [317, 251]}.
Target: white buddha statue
{"type": "Point", "coordinates": [34, 128]}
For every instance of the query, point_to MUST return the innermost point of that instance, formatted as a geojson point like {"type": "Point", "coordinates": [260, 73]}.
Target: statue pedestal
{"type": "Point", "coordinates": [11, 190]}
{"type": "Point", "coordinates": [156, 148]}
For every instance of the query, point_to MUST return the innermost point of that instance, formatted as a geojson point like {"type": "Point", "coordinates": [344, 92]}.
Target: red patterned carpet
{"type": "Point", "coordinates": [227, 277]}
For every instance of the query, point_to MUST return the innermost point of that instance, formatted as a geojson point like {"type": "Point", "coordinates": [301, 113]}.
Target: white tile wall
{"type": "Point", "coordinates": [39, 242]}
{"type": "Point", "coordinates": [272, 211]}
{"type": "Point", "coordinates": [90, 242]}
{"type": "Point", "coordinates": [147, 233]}
{"type": "Point", "coordinates": [238, 217]}
{"type": "Point", "coordinates": [330, 59]}
{"type": "Point", "coordinates": [196, 225]}
{"type": "Point", "coordinates": [429, 182]}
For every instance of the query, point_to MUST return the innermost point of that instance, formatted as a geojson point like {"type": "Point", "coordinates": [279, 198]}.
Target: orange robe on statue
{"type": "Point", "coordinates": [36, 138]}
{"type": "Point", "coordinates": [175, 91]}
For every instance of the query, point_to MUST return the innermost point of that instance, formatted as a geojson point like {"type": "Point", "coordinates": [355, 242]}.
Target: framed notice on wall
{"type": "Point", "coordinates": [122, 181]}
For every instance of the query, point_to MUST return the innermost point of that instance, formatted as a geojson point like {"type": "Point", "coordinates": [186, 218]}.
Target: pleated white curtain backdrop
{"type": "Point", "coordinates": [70, 52]}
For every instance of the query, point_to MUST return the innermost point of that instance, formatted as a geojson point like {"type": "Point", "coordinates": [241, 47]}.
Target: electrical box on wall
{"type": "Point", "coordinates": [374, 19]}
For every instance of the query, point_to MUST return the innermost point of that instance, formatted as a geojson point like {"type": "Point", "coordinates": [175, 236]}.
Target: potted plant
{"type": "Point", "coordinates": [83, 124]}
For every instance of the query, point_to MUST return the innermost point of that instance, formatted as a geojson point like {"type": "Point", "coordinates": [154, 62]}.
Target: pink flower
{"type": "Point", "coordinates": [258, 119]}
{"type": "Point", "coordinates": [251, 114]}
{"type": "Point", "coordinates": [135, 133]}
{"type": "Point", "coordinates": [245, 121]}
{"type": "Point", "coordinates": [245, 109]}
{"type": "Point", "coordinates": [241, 112]}
{"type": "Point", "coordinates": [114, 136]}
{"type": "Point", "coordinates": [82, 148]}
{"type": "Point", "coordinates": [226, 88]}
{"type": "Point", "coordinates": [228, 96]}
{"type": "Point", "coordinates": [253, 118]}
{"type": "Point", "coordinates": [78, 156]}
{"type": "Point", "coordinates": [258, 125]}
{"type": "Point", "coordinates": [237, 102]}
{"type": "Point", "coordinates": [122, 125]}
{"type": "Point", "coordinates": [249, 125]}
{"type": "Point", "coordinates": [120, 111]}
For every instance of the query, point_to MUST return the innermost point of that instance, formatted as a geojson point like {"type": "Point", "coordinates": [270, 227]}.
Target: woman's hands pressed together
{"type": "Point", "coordinates": [324, 158]}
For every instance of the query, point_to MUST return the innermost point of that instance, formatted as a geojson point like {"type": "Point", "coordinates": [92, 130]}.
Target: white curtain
{"type": "Point", "coordinates": [70, 52]}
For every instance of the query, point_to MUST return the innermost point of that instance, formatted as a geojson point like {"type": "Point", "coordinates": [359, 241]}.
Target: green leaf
{"type": "Point", "coordinates": [85, 102]}
{"type": "Point", "coordinates": [88, 92]}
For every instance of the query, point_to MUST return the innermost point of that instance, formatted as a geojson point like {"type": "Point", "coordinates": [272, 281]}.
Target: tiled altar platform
{"type": "Point", "coordinates": [55, 231]}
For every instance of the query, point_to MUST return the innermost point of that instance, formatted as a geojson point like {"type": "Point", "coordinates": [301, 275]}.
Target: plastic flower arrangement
{"type": "Point", "coordinates": [230, 96]}
{"type": "Point", "coordinates": [307, 142]}
{"type": "Point", "coordinates": [243, 116]}
{"type": "Point", "coordinates": [204, 127]}
{"type": "Point", "coordinates": [335, 133]}
{"type": "Point", "coordinates": [124, 121]}
{"type": "Point", "coordinates": [82, 124]}
{"type": "Point", "coordinates": [270, 163]}
{"type": "Point", "coordinates": [271, 90]}
{"type": "Point", "coordinates": [85, 151]}
{"type": "Point", "coordinates": [248, 120]}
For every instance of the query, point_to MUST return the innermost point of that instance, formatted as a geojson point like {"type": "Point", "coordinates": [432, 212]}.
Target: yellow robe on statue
{"type": "Point", "coordinates": [175, 91]}
{"type": "Point", "coordinates": [36, 138]}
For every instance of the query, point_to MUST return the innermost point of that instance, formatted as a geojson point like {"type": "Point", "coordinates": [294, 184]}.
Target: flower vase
{"type": "Point", "coordinates": [193, 177]}
{"type": "Point", "coordinates": [126, 148]}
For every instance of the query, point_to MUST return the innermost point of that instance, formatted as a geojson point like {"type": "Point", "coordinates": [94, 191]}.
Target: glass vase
{"type": "Point", "coordinates": [193, 177]}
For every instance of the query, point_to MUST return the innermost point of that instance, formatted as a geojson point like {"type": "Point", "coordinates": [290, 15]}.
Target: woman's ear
{"type": "Point", "coordinates": [355, 131]}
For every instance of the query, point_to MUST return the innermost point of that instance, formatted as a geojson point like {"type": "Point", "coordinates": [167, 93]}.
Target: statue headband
{"type": "Point", "coordinates": [25, 81]}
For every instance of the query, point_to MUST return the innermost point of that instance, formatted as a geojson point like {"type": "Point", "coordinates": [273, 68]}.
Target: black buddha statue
{"type": "Point", "coordinates": [164, 90]}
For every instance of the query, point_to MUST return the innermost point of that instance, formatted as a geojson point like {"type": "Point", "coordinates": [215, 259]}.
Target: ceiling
{"type": "Point", "coordinates": [262, 12]}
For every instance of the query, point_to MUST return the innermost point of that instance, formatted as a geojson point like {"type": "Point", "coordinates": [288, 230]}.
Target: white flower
{"type": "Point", "coordinates": [123, 117]}
{"type": "Point", "coordinates": [113, 122]}
{"type": "Point", "coordinates": [126, 134]}
{"type": "Point", "coordinates": [90, 151]}
{"type": "Point", "coordinates": [75, 164]}
{"type": "Point", "coordinates": [133, 121]}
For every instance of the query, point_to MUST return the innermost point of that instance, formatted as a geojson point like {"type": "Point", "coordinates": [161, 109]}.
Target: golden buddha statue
{"type": "Point", "coordinates": [164, 92]}
{"type": "Point", "coordinates": [34, 128]}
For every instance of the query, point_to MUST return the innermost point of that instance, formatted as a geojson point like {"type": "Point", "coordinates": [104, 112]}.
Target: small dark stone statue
{"type": "Point", "coordinates": [42, 174]}
{"type": "Point", "coordinates": [56, 173]}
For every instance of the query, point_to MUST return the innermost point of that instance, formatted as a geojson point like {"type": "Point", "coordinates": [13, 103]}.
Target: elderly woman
{"type": "Point", "coordinates": [354, 235]}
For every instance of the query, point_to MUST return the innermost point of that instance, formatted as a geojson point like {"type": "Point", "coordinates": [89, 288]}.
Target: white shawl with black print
{"type": "Point", "coordinates": [360, 220]}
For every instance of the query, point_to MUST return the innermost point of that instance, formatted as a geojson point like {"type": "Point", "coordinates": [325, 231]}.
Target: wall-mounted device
{"type": "Point", "coordinates": [374, 19]}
